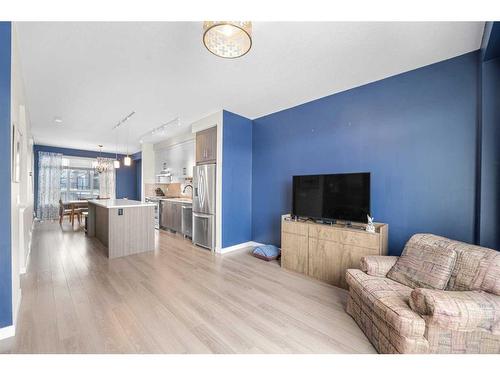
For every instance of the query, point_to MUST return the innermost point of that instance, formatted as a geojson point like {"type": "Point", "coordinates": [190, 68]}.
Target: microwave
{"type": "Point", "coordinates": [163, 179]}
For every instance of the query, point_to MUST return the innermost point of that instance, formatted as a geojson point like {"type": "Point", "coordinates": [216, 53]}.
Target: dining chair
{"type": "Point", "coordinates": [63, 211]}
{"type": "Point", "coordinates": [78, 213]}
{"type": "Point", "coordinates": [80, 210]}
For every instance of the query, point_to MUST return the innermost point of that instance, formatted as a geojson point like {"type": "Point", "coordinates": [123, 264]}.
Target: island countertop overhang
{"type": "Point", "coordinates": [119, 203]}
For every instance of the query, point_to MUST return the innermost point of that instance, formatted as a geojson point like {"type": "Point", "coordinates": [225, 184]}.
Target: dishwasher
{"type": "Point", "coordinates": [187, 221]}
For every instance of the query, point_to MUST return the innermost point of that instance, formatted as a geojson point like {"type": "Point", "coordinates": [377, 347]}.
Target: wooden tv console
{"type": "Point", "coordinates": [326, 251]}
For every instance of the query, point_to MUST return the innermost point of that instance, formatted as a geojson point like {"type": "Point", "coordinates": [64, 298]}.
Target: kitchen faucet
{"type": "Point", "coordinates": [185, 187]}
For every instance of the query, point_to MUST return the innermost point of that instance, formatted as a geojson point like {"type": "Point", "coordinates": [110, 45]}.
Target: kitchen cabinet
{"type": "Point", "coordinates": [176, 158]}
{"type": "Point", "coordinates": [206, 146]}
{"type": "Point", "coordinates": [167, 215]}
{"type": "Point", "coordinates": [177, 219]}
{"type": "Point", "coordinates": [171, 215]}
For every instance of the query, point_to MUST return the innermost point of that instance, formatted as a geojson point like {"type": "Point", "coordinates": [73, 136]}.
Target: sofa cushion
{"type": "Point", "coordinates": [476, 268]}
{"type": "Point", "coordinates": [444, 341]}
{"type": "Point", "coordinates": [458, 310]}
{"type": "Point", "coordinates": [389, 300]}
{"type": "Point", "coordinates": [383, 337]}
{"type": "Point", "coordinates": [487, 272]}
{"type": "Point", "coordinates": [377, 265]}
{"type": "Point", "coordinates": [425, 262]}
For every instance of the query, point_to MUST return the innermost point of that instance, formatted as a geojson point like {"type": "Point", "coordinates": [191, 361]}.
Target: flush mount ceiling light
{"type": "Point", "coordinates": [228, 39]}
{"type": "Point", "coordinates": [58, 120]}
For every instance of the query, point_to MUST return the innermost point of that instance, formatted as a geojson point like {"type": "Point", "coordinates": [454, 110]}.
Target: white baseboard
{"type": "Point", "coordinates": [239, 246]}
{"type": "Point", "coordinates": [7, 332]}
{"type": "Point", "coordinates": [27, 261]}
{"type": "Point", "coordinates": [18, 307]}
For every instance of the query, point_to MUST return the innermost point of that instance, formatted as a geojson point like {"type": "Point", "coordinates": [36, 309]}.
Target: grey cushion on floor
{"type": "Point", "coordinates": [266, 252]}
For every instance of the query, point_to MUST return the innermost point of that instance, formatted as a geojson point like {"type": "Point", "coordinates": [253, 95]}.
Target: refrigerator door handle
{"type": "Point", "coordinates": [204, 216]}
{"type": "Point", "coordinates": [201, 187]}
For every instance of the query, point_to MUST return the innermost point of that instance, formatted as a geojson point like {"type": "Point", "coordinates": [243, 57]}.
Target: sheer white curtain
{"type": "Point", "coordinates": [107, 185]}
{"type": "Point", "coordinates": [49, 185]}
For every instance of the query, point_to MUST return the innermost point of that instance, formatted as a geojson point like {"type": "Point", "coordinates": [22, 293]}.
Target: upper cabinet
{"type": "Point", "coordinates": [206, 146]}
{"type": "Point", "coordinates": [177, 155]}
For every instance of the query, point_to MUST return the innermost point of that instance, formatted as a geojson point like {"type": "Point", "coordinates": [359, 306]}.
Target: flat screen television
{"type": "Point", "coordinates": [329, 197]}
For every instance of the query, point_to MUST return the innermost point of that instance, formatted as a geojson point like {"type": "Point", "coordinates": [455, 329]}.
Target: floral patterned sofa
{"type": "Point", "coordinates": [439, 296]}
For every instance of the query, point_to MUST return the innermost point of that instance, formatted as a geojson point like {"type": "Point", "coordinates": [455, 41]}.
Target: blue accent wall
{"type": "Point", "coordinates": [126, 179]}
{"type": "Point", "coordinates": [490, 45]}
{"type": "Point", "coordinates": [138, 178]}
{"type": "Point", "coordinates": [236, 180]}
{"type": "Point", "coordinates": [137, 157]}
{"type": "Point", "coordinates": [415, 132]}
{"type": "Point", "coordinates": [490, 156]}
{"type": "Point", "coordinates": [5, 178]}
{"type": "Point", "coordinates": [126, 182]}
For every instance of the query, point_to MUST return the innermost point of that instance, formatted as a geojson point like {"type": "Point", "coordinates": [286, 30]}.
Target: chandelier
{"type": "Point", "coordinates": [228, 39]}
{"type": "Point", "coordinates": [101, 164]}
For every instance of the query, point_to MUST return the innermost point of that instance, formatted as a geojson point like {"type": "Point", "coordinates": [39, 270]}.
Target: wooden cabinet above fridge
{"type": "Point", "coordinates": [206, 146]}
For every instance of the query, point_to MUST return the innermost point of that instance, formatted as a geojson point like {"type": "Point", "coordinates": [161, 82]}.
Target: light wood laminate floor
{"type": "Point", "coordinates": [177, 299]}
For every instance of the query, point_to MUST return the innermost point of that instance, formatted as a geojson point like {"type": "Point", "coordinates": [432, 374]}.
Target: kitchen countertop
{"type": "Point", "coordinates": [178, 200]}
{"type": "Point", "coordinates": [119, 203]}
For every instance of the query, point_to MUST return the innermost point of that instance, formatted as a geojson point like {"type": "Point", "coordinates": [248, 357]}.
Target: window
{"type": "Point", "coordinates": [78, 180]}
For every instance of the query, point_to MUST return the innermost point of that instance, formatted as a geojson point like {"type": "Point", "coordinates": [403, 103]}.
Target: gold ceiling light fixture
{"type": "Point", "coordinates": [228, 39]}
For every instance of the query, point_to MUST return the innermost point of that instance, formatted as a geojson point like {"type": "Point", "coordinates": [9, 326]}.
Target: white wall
{"type": "Point", "coordinates": [22, 192]}
{"type": "Point", "coordinates": [147, 166]}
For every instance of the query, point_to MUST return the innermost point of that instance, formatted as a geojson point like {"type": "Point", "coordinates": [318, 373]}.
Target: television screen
{"type": "Point", "coordinates": [343, 196]}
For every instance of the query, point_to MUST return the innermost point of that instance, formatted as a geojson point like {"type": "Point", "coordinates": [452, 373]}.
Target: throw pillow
{"type": "Point", "coordinates": [423, 263]}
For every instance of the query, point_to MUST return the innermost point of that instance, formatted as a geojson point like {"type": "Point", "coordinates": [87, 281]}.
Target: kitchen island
{"type": "Point", "coordinates": [124, 226]}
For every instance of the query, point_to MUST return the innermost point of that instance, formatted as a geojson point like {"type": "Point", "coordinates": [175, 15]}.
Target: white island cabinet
{"type": "Point", "coordinates": [124, 226]}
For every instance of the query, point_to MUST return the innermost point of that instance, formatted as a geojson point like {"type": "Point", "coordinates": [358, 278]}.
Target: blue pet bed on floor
{"type": "Point", "coordinates": [266, 252]}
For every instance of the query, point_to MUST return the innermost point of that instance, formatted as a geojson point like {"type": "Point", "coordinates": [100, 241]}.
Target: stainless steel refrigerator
{"type": "Point", "coordinates": [204, 205]}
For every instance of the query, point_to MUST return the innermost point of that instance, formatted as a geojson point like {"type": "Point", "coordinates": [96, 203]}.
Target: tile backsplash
{"type": "Point", "coordinates": [172, 190]}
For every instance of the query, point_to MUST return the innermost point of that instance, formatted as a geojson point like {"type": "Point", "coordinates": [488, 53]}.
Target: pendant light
{"type": "Point", "coordinates": [116, 162]}
{"type": "Point", "coordinates": [228, 39]}
{"type": "Point", "coordinates": [127, 161]}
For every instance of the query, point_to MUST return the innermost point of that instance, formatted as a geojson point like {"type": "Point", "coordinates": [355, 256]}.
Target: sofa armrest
{"type": "Point", "coordinates": [377, 265]}
{"type": "Point", "coordinates": [458, 310]}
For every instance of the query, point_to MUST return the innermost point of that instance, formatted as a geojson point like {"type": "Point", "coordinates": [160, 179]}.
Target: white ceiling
{"type": "Point", "coordinates": [93, 74]}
